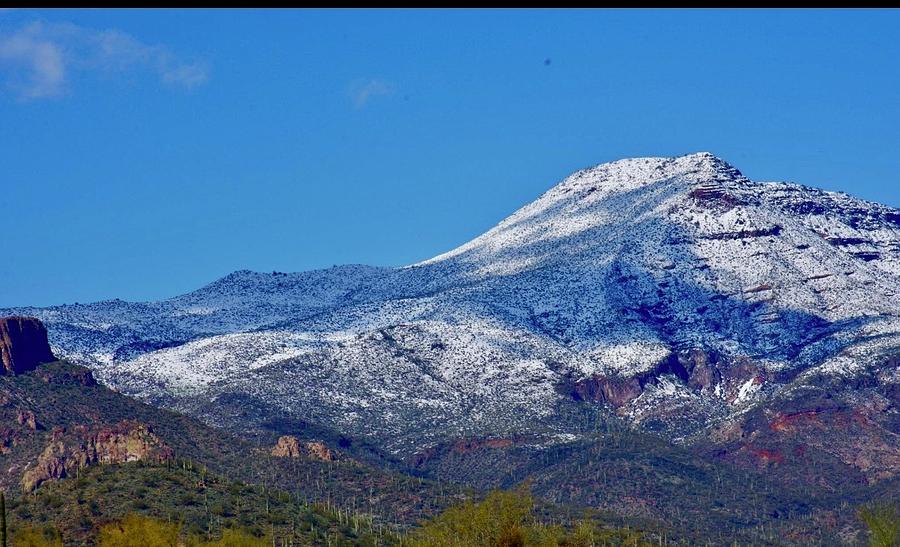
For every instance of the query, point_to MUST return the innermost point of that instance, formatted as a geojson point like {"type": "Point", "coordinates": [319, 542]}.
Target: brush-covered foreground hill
{"type": "Point", "coordinates": [75, 455]}
{"type": "Point", "coordinates": [204, 505]}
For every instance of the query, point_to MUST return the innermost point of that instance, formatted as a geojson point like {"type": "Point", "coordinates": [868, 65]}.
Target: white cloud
{"type": "Point", "coordinates": [37, 66]}
{"type": "Point", "coordinates": [185, 75]}
{"type": "Point", "coordinates": [361, 92]}
{"type": "Point", "coordinates": [36, 59]}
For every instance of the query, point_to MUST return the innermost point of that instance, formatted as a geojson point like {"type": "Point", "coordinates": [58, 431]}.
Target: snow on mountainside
{"type": "Point", "coordinates": [674, 290]}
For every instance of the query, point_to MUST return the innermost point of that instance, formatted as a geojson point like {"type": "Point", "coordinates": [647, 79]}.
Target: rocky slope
{"type": "Point", "coordinates": [673, 292]}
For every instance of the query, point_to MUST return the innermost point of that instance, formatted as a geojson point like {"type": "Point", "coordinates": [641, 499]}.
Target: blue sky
{"type": "Point", "coordinates": [146, 153]}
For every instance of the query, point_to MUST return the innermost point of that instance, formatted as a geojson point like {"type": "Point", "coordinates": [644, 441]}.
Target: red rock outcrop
{"type": "Point", "coordinates": [127, 441]}
{"type": "Point", "coordinates": [702, 371]}
{"type": "Point", "coordinates": [23, 344]}
{"type": "Point", "coordinates": [854, 439]}
{"type": "Point", "coordinates": [289, 446]}
{"type": "Point", "coordinates": [714, 197]}
{"type": "Point", "coordinates": [319, 451]}
{"type": "Point", "coordinates": [789, 423]}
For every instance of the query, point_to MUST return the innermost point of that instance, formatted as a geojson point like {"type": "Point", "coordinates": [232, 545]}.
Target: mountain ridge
{"type": "Point", "coordinates": [674, 293]}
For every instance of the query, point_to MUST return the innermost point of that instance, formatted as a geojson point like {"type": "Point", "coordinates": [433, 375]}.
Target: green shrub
{"type": "Point", "coordinates": [506, 519]}
{"type": "Point", "coordinates": [32, 537]}
{"type": "Point", "coordinates": [138, 531]}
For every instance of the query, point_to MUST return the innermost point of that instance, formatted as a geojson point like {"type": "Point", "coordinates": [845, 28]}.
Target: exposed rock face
{"type": "Point", "coordinates": [832, 439]}
{"type": "Point", "coordinates": [727, 378]}
{"type": "Point", "coordinates": [28, 419]}
{"type": "Point", "coordinates": [319, 451]}
{"type": "Point", "coordinates": [715, 197]}
{"type": "Point", "coordinates": [701, 367]}
{"type": "Point", "coordinates": [54, 463]}
{"type": "Point", "coordinates": [23, 344]}
{"type": "Point", "coordinates": [615, 390]}
{"type": "Point", "coordinates": [289, 446]}
{"type": "Point", "coordinates": [127, 441]}
{"type": "Point", "coordinates": [8, 439]}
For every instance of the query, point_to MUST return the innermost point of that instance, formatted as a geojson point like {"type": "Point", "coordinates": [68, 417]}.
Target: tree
{"type": "Point", "coordinates": [883, 522]}
{"type": "Point", "coordinates": [506, 519]}
{"type": "Point", "coordinates": [498, 520]}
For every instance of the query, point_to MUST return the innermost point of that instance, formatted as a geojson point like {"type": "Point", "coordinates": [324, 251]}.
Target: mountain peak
{"type": "Point", "coordinates": [632, 173]}
{"type": "Point", "coordinates": [594, 197]}
{"type": "Point", "coordinates": [705, 162]}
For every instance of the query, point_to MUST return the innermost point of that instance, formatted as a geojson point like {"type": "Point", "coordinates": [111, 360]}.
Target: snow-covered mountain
{"type": "Point", "coordinates": [674, 292]}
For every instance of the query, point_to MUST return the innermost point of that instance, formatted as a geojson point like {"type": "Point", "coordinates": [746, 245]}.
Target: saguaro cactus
{"type": "Point", "coordinates": [3, 542]}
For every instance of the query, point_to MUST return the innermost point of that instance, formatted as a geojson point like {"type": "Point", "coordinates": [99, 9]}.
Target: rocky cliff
{"type": "Point", "coordinates": [69, 451]}
{"type": "Point", "coordinates": [289, 446]}
{"type": "Point", "coordinates": [23, 344]}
